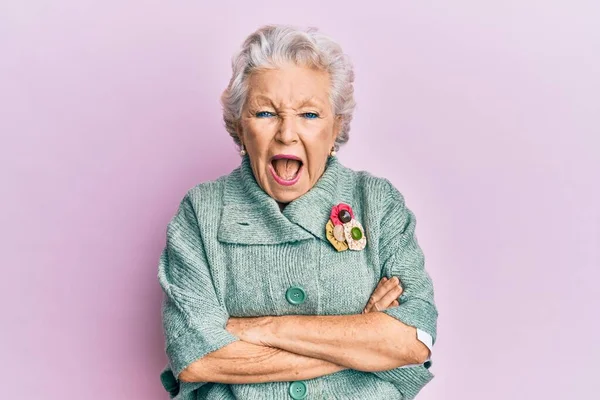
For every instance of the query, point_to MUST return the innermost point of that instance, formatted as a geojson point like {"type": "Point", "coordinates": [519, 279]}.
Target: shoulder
{"type": "Point", "coordinates": [200, 205]}
{"type": "Point", "coordinates": [207, 197]}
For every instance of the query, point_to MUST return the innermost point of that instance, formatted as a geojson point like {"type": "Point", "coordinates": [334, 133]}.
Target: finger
{"type": "Point", "coordinates": [397, 279]}
{"type": "Point", "coordinates": [380, 291]}
{"type": "Point", "coordinates": [377, 293]}
{"type": "Point", "coordinates": [383, 287]}
{"type": "Point", "coordinates": [394, 281]}
{"type": "Point", "coordinates": [395, 303]}
{"type": "Point", "coordinates": [387, 300]}
{"type": "Point", "coordinates": [381, 282]}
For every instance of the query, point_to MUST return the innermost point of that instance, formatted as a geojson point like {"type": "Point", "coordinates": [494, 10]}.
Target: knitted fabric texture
{"type": "Point", "coordinates": [231, 252]}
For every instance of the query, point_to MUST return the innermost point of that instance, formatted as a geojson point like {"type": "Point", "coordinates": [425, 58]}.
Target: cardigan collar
{"type": "Point", "coordinates": [251, 216]}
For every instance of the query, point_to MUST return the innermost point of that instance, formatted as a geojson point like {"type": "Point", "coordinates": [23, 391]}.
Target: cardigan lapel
{"type": "Point", "coordinates": [311, 211]}
{"type": "Point", "coordinates": [251, 216]}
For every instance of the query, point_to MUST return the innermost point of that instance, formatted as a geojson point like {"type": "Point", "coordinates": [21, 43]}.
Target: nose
{"type": "Point", "coordinates": [286, 131]}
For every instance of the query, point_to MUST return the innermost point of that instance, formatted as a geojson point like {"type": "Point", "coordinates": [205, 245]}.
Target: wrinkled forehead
{"type": "Point", "coordinates": [292, 87]}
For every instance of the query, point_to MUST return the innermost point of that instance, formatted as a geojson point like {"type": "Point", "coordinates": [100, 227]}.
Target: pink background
{"type": "Point", "coordinates": [486, 117]}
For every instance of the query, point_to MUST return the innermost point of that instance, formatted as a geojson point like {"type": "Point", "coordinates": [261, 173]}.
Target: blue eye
{"type": "Point", "coordinates": [311, 115]}
{"type": "Point", "coordinates": [263, 114]}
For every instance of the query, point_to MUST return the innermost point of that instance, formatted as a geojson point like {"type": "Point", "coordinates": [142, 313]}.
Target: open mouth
{"type": "Point", "coordinates": [286, 170]}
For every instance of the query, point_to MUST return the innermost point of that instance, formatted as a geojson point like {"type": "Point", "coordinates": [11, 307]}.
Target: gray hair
{"type": "Point", "coordinates": [273, 45]}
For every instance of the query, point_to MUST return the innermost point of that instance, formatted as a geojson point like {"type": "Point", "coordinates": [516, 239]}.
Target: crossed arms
{"type": "Point", "coordinates": [275, 349]}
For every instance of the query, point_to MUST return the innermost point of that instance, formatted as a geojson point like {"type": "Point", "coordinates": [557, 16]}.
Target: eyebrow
{"type": "Point", "coordinates": [306, 101]}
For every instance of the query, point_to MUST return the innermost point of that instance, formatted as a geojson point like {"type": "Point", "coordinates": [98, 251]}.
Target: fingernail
{"type": "Point", "coordinates": [395, 279]}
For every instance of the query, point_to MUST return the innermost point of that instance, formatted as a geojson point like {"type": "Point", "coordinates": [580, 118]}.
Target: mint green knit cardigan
{"type": "Point", "coordinates": [231, 252]}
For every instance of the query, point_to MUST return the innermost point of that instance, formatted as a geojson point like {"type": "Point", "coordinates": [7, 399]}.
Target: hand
{"type": "Point", "coordinates": [254, 330]}
{"type": "Point", "coordinates": [385, 295]}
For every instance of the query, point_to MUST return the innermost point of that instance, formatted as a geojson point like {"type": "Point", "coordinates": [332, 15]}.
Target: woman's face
{"type": "Point", "coordinates": [288, 128]}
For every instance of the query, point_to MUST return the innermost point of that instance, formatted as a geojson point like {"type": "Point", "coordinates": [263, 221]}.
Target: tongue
{"type": "Point", "coordinates": [286, 168]}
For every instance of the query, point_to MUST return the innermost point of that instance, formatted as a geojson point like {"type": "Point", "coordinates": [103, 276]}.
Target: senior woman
{"type": "Point", "coordinates": [294, 277]}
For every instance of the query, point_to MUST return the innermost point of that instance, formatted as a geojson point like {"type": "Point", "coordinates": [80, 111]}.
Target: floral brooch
{"type": "Point", "coordinates": [343, 231]}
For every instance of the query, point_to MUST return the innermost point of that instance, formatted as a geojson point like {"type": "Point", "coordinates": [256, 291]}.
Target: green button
{"type": "Point", "coordinates": [356, 233]}
{"type": "Point", "coordinates": [298, 390]}
{"type": "Point", "coordinates": [295, 295]}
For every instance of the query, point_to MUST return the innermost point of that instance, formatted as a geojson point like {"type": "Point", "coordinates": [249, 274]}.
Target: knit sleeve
{"type": "Point", "coordinates": [401, 256]}
{"type": "Point", "coordinates": [193, 319]}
